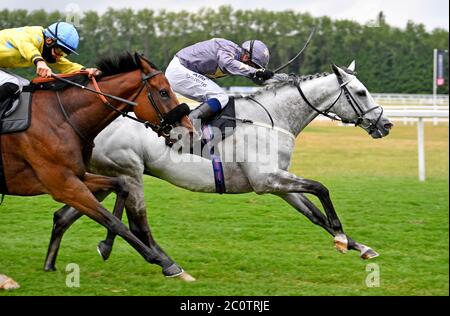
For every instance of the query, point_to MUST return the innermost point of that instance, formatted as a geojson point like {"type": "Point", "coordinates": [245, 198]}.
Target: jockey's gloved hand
{"type": "Point", "coordinates": [262, 75]}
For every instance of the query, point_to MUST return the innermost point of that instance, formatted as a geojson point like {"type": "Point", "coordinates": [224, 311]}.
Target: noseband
{"type": "Point", "coordinates": [360, 113]}
{"type": "Point", "coordinates": [162, 128]}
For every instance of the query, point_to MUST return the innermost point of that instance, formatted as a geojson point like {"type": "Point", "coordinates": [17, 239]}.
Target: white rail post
{"type": "Point", "coordinates": [435, 51]}
{"type": "Point", "coordinates": [421, 148]}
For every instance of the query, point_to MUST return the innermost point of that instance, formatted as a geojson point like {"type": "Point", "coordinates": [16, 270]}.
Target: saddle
{"type": "Point", "coordinates": [224, 119]}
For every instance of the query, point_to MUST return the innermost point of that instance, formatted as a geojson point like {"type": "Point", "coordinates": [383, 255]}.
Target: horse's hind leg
{"type": "Point", "coordinates": [62, 190]}
{"type": "Point", "coordinates": [137, 218]}
{"type": "Point", "coordinates": [101, 186]}
{"type": "Point", "coordinates": [62, 220]}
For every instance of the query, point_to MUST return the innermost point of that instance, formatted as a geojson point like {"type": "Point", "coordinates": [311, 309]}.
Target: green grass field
{"type": "Point", "coordinates": [259, 245]}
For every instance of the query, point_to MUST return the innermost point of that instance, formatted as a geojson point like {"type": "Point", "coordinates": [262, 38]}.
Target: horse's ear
{"type": "Point", "coordinates": [336, 70]}
{"type": "Point", "coordinates": [352, 66]}
{"type": "Point", "coordinates": [137, 58]}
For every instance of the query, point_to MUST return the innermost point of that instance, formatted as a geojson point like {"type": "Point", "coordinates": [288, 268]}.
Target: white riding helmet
{"type": "Point", "coordinates": [259, 53]}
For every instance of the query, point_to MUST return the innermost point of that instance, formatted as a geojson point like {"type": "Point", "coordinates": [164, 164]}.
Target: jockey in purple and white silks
{"type": "Point", "coordinates": [192, 70]}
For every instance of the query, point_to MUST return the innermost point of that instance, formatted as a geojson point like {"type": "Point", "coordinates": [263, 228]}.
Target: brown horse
{"type": "Point", "coordinates": [50, 157]}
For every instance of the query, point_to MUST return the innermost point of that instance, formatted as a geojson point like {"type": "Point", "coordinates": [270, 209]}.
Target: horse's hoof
{"type": "Point", "coordinates": [104, 250]}
{"type": "Point", "coordinates": [175, 271]}
{"type": "Point", "coordinates": [186, 277]}
{"type": "Point", "coordinates": [369, 254]}
{"type": "Point", "coordinates": [49, 268]}
{"type": "Point", "coordinates": [341, 243]}
{"type": "Point", "coordinates": [7, 283]}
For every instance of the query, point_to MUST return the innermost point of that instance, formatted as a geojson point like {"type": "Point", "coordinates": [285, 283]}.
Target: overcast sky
{"type": "Point", "coordinates": [432, 13]}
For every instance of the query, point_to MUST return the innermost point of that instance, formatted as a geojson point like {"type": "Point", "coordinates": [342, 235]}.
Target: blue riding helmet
{"type": "Point", "coordinates": [259, 53]}
{"type": "Point", "coordinates": [65, 35]}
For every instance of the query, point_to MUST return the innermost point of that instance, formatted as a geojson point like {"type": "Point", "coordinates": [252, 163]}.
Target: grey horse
{"type": "Point", "coordinates": [276, 114]}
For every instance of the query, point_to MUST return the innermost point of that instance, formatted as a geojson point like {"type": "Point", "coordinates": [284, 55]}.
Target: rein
{"type": "Point", "coordinates": [162, 129]}
{"type": "Point", "coordinates": [265, 109]}
{"type": "Point", "coordinates": [125, 113]}
{"type": "Point", "coordinates": [77, 131]}
{"type": "Point", "coordinates": [343, 90]}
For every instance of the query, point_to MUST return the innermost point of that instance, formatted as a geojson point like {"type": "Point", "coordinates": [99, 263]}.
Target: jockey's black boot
{"type": "Point", "coordinates": [8, 90]}
{"type": "Point", "coordinates": [203, 112]}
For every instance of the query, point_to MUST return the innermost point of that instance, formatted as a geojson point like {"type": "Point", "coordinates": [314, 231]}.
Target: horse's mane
{"type": "Point", "coordinates": [280, 80]}
{"type": "Point", "coordinates": [117, 64]}
{"type": "Point", "coordinates": [121, 63]}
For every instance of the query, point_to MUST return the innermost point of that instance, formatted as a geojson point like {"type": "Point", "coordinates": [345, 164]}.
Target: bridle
{"type": "Point", "coordinates": [166, 120]}
{"type": "Point", "coordinates": [144, 80]}
{"type": "Point", "coordinates": [360, 113]}
{"type": "Point", "coordinates": [163, 128]}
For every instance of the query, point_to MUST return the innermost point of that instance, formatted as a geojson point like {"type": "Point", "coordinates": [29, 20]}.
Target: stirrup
{"type": "Point", "coordinates": [12, 108]}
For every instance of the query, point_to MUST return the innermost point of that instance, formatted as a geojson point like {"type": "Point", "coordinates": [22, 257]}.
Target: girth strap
{"type": "Point", "coordinates": [219, 178]}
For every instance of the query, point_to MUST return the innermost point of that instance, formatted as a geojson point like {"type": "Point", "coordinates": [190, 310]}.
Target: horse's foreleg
{"type": "Point", "coordinates": [307, 208]}
{"type": "Point", "coordinates": [6, 283]}
{"type": "Point", "coordinates": [282, 182]}
{"type": "Point", "coordinates": [137, 219]}
{"type": "Point", "coordinates": [301, 203]}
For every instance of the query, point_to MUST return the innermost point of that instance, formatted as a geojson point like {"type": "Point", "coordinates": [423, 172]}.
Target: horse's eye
{"type": "Point", "coordinates": [362, 93]}
{"type": "Point", "coordinates": [164, 93]}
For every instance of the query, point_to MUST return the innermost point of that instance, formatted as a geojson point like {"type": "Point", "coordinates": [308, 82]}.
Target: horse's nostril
{"type": "Point", "coordinates": [388, 126]}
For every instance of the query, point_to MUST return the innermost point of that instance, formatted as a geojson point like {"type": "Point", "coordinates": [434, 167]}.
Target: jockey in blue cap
{"type": "Point", "coordinates": [192, 70]}
{"type": "Point", "coordinates": [35, 46]}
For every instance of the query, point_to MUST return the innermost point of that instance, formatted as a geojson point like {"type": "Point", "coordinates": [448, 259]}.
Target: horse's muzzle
{"type": "Point", "coordinates": [382, 129]}
{"type": "Point", "coordinates": [175, 115]}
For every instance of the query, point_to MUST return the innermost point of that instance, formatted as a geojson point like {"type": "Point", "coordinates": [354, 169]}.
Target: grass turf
{"type": "Point", "coordinates": [259, 245]}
